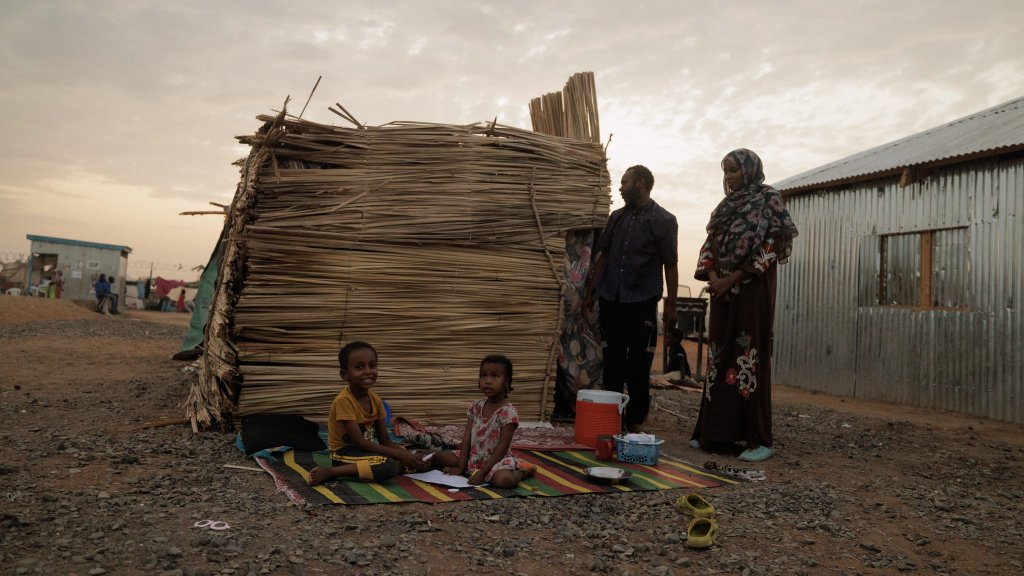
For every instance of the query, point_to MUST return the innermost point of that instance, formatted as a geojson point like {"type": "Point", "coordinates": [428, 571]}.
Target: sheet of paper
{"type": "Point", "coordinates": [440, 478]}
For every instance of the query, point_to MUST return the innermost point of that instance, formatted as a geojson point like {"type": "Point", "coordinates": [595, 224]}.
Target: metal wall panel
{"type": "Point", "coordinates": [968, 360]}
{"type": "Point", "coordinates": [951, 284]}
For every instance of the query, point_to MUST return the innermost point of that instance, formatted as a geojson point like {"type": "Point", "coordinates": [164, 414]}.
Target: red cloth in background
{"type": "Point", "coordinates": [164, 287]}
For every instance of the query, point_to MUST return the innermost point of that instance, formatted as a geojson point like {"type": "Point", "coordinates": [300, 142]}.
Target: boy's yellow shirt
{"type": "Point", "coordinates": [347, 407]}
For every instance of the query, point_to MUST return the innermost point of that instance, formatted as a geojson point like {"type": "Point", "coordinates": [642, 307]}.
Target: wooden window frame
{"type": "Point", "coordinates": [926, 263]}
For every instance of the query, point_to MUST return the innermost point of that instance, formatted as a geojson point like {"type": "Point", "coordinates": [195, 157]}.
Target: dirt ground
{"type": "Point", "coordinates": [98, 476]}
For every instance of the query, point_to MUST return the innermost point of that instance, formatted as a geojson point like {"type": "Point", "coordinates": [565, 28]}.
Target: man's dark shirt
{"type": "Point", "coordinates": [636, 246]}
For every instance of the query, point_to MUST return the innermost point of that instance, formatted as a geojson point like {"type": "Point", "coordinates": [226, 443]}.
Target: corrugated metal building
{"type": "Point", "coordinates": [80, 264]}
{"type": "Point", "coordinates": [906, 280]}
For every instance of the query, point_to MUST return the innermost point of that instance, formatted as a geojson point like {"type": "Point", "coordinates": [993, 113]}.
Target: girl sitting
{"type": "Point", "coordinates": [485, 449]}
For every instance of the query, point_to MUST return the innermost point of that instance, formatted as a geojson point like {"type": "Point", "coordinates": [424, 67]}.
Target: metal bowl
{"type": "Point", "coordinates": [607, 475]}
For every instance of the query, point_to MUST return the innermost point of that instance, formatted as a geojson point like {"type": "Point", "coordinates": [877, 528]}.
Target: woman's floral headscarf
{"type": "Point", "coordinates": [744, 219]}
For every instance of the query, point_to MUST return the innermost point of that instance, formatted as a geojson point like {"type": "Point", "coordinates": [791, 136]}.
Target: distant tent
{"type": "Point", "coordinates": [164, 286]}
{"type": "Point", "coordinates": [14, 273]}
{"type": "Point", "coordinates": [194, 337]}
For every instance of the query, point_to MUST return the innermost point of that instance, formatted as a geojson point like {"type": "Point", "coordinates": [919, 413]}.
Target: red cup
{"type": "Point", "coordinates": [605, 447]}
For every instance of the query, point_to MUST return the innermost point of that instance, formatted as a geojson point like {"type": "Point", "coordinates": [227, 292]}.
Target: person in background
{"type": "Point", "coordinates": [112, 293]}
{"type": "Point", "coordinates": [45, 288]}
{"type": "Point", "coordinates": [140, 287]}
{"type": "Point", "coordinates": [180, 307]}
{"type": "Point", "coordinates": [102, 289]}
{"type": "Point", "coordinates": [637, 244]}
{"type": "Point", "coordinates": [677, 361]}
{"type": "Point", "coordinates": [748, 234]}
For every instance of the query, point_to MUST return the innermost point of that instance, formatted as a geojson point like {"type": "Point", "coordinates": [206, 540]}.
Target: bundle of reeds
{"type": "Point", "coordinates": [571, 113]}
{"type": "Point", "coordinates": [438, 244]}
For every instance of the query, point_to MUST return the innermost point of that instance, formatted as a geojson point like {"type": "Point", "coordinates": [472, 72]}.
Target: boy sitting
{"type": "Point", "coordinates": [356, 418]}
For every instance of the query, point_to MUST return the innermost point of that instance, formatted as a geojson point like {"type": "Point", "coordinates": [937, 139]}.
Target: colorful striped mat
{"type": "Point", "coordinates": [558, 474]}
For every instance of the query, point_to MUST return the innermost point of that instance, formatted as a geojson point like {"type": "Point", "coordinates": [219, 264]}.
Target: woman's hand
{"type": "Point", "coordinates": [719, 288]}
{"type": "Point", "coordinates": [477, 478]}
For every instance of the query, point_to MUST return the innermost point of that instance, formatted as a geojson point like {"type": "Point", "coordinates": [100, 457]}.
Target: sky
{"type": "Point", "coordinates": [119, 115]}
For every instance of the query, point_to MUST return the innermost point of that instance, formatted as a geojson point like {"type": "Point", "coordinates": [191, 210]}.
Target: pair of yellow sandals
{"type": "Point", "coordinates": [703, 528]}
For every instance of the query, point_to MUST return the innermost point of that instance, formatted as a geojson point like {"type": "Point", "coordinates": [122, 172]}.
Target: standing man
{"type": "Point", "coordinates": [112, 294]}
{"type": "Point", "coordinates": [638, 241]}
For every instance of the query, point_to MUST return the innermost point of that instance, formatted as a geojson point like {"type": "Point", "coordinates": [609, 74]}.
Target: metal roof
{"type": "Point", "coordinates": [989, 132]}
{"type": "Point", "coordinates": [53, 240]}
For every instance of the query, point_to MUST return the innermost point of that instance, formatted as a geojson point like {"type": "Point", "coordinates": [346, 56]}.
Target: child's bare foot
{"type": "Point", "coordinates": [528, 470]}
{"type": "Point", "coordinates": [319, 475]}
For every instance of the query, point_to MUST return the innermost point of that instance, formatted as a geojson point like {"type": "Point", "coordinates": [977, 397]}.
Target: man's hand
{"type": "Point", "coordinates": [669, 318]}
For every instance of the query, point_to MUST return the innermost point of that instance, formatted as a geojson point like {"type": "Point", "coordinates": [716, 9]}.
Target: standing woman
{"type": "Point", "coordinates": [749, 233]}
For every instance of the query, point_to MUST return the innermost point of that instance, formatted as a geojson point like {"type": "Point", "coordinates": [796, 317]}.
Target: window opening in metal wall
{"type": "Point", "coordinates": [924, 270]}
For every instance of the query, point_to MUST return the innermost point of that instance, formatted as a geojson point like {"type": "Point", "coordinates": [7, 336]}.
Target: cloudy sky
{"type": "Point", "coordinates": [118, 115]}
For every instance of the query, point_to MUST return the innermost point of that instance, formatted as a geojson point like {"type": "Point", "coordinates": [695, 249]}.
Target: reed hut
{"type": "Point", "coordinates": [437, 243]}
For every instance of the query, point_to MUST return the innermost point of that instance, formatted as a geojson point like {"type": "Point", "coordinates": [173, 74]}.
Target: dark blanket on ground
{"type": "Point", "coordinates": [262, 431]}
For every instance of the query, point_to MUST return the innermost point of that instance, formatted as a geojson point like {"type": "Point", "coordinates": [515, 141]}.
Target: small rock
{"type": "Point", "coordinates": [870, 546]}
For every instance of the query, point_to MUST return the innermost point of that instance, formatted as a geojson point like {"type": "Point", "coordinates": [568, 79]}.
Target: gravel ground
{"type": "Point", "coordinates": [91, 484]}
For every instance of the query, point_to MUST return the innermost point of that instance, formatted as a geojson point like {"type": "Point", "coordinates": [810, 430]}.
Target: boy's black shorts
{"type": "Point", "coordinates": [372, 467]}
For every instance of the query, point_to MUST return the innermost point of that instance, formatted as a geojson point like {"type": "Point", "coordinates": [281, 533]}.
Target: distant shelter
{"type": "Point", "coordinates": [907, 281]}
{"type": "Point", "coordinates": [80, 264]}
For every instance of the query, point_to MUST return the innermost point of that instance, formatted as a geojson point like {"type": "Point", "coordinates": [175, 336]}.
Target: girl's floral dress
{"type": "Point", "coordinates": [485, 433]}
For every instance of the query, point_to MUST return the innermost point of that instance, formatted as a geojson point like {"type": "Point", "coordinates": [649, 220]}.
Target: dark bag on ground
{"type": "Point", "coordinates": [262, 431]}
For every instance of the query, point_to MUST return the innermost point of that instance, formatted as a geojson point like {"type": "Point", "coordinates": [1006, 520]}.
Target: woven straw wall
{"type": "Point", "coordinates": [438, 244]}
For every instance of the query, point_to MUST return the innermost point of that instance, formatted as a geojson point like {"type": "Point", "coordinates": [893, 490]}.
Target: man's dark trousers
{"type": "Point", "coordinates": [630, 334]}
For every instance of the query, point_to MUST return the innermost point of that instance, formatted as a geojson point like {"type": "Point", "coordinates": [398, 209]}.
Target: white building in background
{"type": "Point", "coordinates": [906, 283]}
{"type": "Point", "coordinates": [80, 264]}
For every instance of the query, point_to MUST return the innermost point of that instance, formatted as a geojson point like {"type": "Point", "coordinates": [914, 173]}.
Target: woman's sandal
{"type": "Point", "coordinates": [740, 473]}
{"type": "Point", "coordinates": [759, 454]}
{"type": "Point", "coordinates": [701, 532]}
